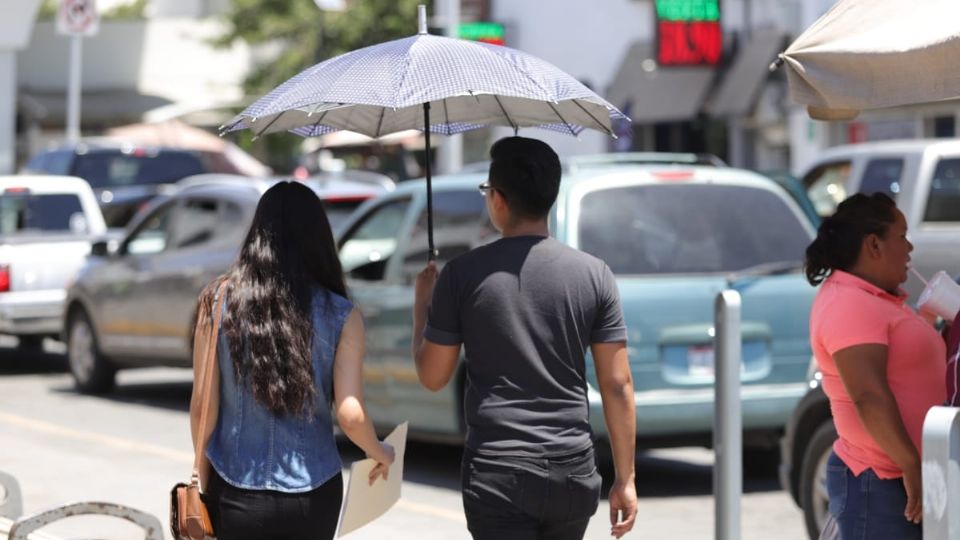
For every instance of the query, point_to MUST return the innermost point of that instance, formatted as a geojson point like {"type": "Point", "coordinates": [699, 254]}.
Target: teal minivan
{"type": "Point", "coordinates": [674, 235]}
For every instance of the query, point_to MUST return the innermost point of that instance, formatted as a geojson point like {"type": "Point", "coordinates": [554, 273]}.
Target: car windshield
{"type": "Point", "coordinates": [117, 169]}
{"type": "Point", "coordinates": [23, 212]}
{"type": "Point", "coordinates": [339, 211]}
{"type": "Point", "coordinates": [689, 228]}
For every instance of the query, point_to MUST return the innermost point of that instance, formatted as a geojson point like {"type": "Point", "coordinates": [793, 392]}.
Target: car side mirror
{"type": "Point", "coordinates": [104, 248]}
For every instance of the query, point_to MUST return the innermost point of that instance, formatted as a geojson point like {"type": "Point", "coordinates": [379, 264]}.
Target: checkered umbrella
{"type": "Point", "coordinates": [398, 85]}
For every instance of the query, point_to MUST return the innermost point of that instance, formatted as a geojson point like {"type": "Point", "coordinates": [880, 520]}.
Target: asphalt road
{"type": "Point", "coordinates": [130, 447]}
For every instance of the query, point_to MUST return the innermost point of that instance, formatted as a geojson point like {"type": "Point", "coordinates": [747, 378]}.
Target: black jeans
{"type": "Point", "coordinates": [241, 514]}
{"type": "Point", "coordinates": [520, 498]}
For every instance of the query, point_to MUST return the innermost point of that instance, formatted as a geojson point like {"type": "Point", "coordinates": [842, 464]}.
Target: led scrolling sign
{"type": "Point", "coordinates": [688, 32]}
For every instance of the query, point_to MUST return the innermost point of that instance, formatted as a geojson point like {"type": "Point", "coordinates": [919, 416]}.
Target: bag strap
{"type": "Point", "coordinates": [207, 382]}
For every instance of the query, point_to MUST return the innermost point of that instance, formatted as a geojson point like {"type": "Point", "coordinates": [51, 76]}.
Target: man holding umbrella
{"type": "Point", "coordinates": [525, 308]}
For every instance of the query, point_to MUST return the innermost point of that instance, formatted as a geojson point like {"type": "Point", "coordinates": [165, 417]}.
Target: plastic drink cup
{"type": "Point", "coordinates": [941, 296]}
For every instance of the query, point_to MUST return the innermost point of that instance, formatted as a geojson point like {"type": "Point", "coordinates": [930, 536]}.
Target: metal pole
{"type": "Point", "coordinates": [727, 428]}
{"type": "Point", "coordinates": [941, 473]}
{"type": "Point", "coordinates": [73, 89]}
{"type": "Point", "coordinates": [8, 110]}
{"type": "Point", "coordinates": [450, 152]}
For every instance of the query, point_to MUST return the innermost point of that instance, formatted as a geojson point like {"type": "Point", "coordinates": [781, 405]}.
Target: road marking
{"type": "Point", "coordinates": [430, 510]}
{"type": "Point", "coordinates": [104, 440]}
{"type": "Point", "coordinates": [176, 455]}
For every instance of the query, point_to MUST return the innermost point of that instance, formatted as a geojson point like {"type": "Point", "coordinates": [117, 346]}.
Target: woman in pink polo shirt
{"type": "Point", "coordinates": [882, 365]}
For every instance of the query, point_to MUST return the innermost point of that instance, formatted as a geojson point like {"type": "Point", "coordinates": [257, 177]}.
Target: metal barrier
{"type": "Point", "coordinates": [11, 502]}
{"type": "Point", "coordinates": [941, 474]}
{"type": "Point", "coordinates": [727, 421]}
{"type": "Point", "coordinates": [14, 526]}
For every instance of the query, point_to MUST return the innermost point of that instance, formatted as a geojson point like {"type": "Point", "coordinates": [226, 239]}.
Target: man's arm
{"type": "Point", "coordinates": [435, 363]}
{"type": "Point", "coordinates": [619, 411]}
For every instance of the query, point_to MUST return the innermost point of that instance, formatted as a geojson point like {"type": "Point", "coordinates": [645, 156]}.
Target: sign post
{"type": "Point", "coordinates": [76, 18]}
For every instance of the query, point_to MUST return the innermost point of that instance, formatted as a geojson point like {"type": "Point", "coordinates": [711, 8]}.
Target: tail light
{"type": "Point", "coordinates": [673, 176]}
{"type": "Point", "coordinates": [4, 278]}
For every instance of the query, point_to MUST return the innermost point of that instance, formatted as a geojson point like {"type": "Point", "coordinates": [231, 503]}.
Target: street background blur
{"type": "Point", "coordinates": [155, 79]}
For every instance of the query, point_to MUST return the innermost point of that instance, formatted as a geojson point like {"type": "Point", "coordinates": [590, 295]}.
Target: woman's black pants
{"type": "Point", "coordinates": [242, 514]}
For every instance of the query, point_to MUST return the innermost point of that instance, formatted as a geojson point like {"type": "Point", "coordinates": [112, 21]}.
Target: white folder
{"type": "Point", "coordinates": [364, 503]}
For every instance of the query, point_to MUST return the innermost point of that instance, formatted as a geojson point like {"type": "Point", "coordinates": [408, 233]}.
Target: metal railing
{"type": "Point", "coordinates": [941, 474]}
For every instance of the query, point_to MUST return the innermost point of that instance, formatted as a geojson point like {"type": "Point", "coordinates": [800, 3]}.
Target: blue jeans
{"type": "Point", "coordinates": [521, 498]}
{"type": "Point", "coordinates": [866, 507]}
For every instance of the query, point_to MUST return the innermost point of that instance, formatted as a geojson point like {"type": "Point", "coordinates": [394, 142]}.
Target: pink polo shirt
{"type": "Point", "coordinates": [849, 311]}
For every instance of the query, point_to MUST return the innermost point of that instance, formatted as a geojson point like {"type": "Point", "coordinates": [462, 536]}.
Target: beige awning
{"type": "Point", "coordinates": [102, 107]}
{"type": "Point", "coordinates": [655, 93]}
{"type": "Point", "coordinates": [869, 54]}
{"type": "Point", "coordinates": [741, 85]}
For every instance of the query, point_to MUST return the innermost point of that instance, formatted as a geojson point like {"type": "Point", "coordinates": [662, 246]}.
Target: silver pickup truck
{"type": "Point", "coordinates": [47, 224]}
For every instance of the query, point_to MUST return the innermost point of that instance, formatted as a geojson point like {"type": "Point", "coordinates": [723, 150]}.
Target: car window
{"type": "Point", "coordinates": [153, 235]}
{"type": "Point", "coordinates": [52, 162]}
{"type": "Point", "coordinates": [370, 244]}
{"type": "Point", "coordinates": [882, 176]}
{"type": "Point", "coordinates": [690, 228]}
{"type": "Point", "coordinates": [460, 223]}
{"type": "Point", "coordinates": [339, 211]}
{"type": "Point", "coordinates": [195, 223]}
{"type": "Point", "coordinates": [943, 201]}
{"type": "Point", "coordinates": [827, 186]}
{"type": "Point", "coordinates": [116, 169]}
{"type": "Point", "coordinates": [24, 212]}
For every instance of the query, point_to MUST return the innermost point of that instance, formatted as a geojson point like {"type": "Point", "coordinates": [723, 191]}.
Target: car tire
{"type": "Point", "coordinates": [813, 478]}
{"type": "Point", "coordinates": [92, 372]}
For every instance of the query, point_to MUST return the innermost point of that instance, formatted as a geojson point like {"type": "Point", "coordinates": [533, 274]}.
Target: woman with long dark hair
{"type": "Point", "coordinates": [291, 346]}
{"type": "Point", "coordinates": [882, 364]}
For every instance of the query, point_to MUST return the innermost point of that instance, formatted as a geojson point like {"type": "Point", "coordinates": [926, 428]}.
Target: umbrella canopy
{"type": "Point", "coordinates": [867, 54]}
{"type": "Point", "coordinates": [393, 86]}
{"type": "Point", "coordinates": [381, 89]}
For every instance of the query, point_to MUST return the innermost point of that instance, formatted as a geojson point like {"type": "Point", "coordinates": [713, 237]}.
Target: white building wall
{"type": "Point", "coordinates": [169, 57]}
{"type": "Point", "coordinates": [586, 39]}
{"type": "Point", "coordinates": [589, 40]}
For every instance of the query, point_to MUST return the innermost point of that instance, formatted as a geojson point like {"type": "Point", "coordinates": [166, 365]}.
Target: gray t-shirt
{"type": "Point", "coordinates": [526, 308]}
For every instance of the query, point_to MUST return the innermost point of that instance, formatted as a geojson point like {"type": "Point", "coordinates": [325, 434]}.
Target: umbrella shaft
{"type": "Point", "coordinates": [432, 253]}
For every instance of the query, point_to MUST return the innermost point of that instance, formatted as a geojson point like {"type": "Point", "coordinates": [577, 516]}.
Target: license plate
{"type": "Point", "coordinates": [700, 360]}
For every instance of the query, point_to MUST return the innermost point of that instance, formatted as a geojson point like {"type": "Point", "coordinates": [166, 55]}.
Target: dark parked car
{"type": "Point", "coordinates": [125, 177]}
{"type": "Point", "coordinates": [133, 303]}
{"type": "Point", "coordinates": [804, 450]}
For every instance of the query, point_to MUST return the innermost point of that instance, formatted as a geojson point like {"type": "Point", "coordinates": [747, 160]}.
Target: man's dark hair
{"type": "Point", "coordinates": [527, 173]}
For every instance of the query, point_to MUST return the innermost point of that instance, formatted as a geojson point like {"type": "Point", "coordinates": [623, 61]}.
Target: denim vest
{"type": "Point", "coordinates": [252, 448]}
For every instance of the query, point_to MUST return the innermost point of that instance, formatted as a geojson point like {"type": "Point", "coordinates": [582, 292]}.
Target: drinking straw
{"type": "Point", "coordinates": [918, 276]}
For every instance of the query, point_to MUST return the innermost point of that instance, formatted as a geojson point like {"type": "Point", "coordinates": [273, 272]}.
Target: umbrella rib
{"type": "Point", "coordinates": [446, 118]}
{"type": "Point", "coordinates": [275, 118]}
{"type": "Point", "coordinates": [506, 114]}
{"type": "Point", "coordinates": [562, 119]}
{"type": "Point", "coordinates": [317, 123]}
{"type": "Point", "coordinates": [604, 128]}
{"type": "Point", "coordinates": [383, 112]}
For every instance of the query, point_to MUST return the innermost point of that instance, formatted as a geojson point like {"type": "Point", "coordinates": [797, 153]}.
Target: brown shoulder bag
{"type": "Point", "coordinates": [189, 519]}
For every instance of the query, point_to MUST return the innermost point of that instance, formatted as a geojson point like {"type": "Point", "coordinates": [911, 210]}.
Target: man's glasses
{"type": "Point", "coordinates": [486, 188]}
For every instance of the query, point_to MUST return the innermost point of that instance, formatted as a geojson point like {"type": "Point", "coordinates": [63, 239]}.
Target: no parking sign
{"type": "Point", "coordinates": [78, 18]}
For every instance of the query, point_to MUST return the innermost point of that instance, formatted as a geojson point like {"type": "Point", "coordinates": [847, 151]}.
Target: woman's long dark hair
{"type": "Point", "coordinates": [841, 235]}
{"type": "Point", "coordinates": [288, 253]}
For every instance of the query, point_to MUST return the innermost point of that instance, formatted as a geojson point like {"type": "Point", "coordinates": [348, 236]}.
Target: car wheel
{"type": "Point", "coordinates": [813, 478]}
{"type": "Point", "coordinates": [92, 372]}
{"type": "Point", "coordinates": [30, 343]}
